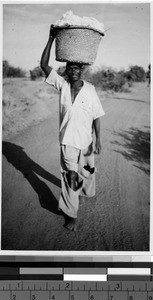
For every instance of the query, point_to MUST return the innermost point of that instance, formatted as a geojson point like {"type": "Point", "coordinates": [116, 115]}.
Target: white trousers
{"type": "Point", "coordinates": [80, 161]}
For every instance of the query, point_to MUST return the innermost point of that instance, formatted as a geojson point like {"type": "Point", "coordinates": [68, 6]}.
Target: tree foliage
{"type": "Point", "coordinates": [36, 73]}
{"type": "Point", "coordinates": [104, 78]}
{"type": "Point", "coordinates": [109, 79]}
{"type": "Point", "coordinates": [10, 71]}
{"type": "Point", "coordinates": [148, 76]}
{"type": "Point", "coordinates": [136, 74]}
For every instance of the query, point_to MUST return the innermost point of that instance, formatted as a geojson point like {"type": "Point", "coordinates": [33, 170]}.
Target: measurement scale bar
{"type": "Point", "coordinates": [75, 285]}
{"type": "Point", "coordinates": [76, 281]}
{"type": "Point", "coordinates": [58, 290]}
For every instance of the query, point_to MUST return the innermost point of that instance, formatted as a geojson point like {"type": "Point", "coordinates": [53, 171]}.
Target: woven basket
{"type": "Point", "coordinates": [77, 44]}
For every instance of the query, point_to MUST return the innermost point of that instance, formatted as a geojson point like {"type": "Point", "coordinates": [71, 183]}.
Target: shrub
{"type": "Point", "coordinates": [62, 71]}
{"type": "Point", "coordinates": [5, 68]}
{"type": "Point", "coordinates": [148, 74]}
{"type": "Point", "coordinates": [36, 73]}
{"type": "Point", "coordinates": [106, 79]}
{"type": "Point", "coordinates": [10, 71]}
{"type": "Point", "coordinates": [119, 81]}
{"type": "Point", "coordinates": [109, 79]}
{"type": "Point", "coordinates": [135, 73]}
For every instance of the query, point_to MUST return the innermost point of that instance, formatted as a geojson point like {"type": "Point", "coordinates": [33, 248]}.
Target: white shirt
{"type": "Point", "coordinates": [76, 118]}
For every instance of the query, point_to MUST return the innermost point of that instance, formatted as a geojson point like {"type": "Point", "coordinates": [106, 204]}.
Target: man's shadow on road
{"type": "Point", "coordinates": [20, 160]}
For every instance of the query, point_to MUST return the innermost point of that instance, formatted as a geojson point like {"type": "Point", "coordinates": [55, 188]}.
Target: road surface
{"type": "Point", "coordinates": [116, 219]}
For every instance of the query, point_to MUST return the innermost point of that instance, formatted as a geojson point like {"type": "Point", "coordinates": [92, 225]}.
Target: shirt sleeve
{"type": "Point", "coordinates": [55, 80]}
{"type": "Point", "coordinates": [97, 106]}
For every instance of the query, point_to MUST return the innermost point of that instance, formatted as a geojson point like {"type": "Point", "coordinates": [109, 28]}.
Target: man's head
{"type": "Point", "coordinates": [74, 70]}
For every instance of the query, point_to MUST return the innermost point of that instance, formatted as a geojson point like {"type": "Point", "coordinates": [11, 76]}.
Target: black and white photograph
{"type": "Point", "coordinates": [76, 125]}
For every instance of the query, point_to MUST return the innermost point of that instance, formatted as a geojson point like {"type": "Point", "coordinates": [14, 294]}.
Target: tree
{"type": "Point", "coordinates": [5, 68]}
{"type": "Point", "coordinates": [10, 71]}
{"type": "Point", "coordinates": [148, 74]}
{"type": "Point", "coordinates": [36, 73]}
{"type": "Point", "coordinates": [136, 73]}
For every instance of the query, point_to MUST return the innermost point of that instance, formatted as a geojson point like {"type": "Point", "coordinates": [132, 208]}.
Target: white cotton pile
{"type": "Point", "coordinates": [69, 19]}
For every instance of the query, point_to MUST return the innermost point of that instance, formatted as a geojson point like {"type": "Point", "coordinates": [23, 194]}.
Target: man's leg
{"type": "Point", "coordinates": [69, 198]}
{"type": "Point", "coordinates": [70, 223]}
{"type": "Point", "coordinates": [72, 179]}
{"type": "Point", "coordinates": [87, 172]}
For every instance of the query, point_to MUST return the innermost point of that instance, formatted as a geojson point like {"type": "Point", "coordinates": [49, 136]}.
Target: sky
{"type": "Point", "coordinates": [127, 42]}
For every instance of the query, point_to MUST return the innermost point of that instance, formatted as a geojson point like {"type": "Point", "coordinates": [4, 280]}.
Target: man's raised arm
{"type": "Point", "coordinates": [46, 53]}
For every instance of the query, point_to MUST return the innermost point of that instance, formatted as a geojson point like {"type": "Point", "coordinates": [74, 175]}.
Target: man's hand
{"type": "Point", "coordinates": [96, 125]}
{"type": "Point", "coordinates": [90, 150]}
{"type": "Point", "coordinates": [97, 147]}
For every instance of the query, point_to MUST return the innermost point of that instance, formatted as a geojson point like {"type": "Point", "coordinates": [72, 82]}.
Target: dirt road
{"type": "Point", "coordinates": [117, 219]}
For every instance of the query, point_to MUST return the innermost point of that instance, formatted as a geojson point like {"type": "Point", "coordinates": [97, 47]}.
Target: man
{"type": "Point", "coordinates": [80, 110]}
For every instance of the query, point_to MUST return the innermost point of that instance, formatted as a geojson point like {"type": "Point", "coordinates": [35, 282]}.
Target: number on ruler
{"type": "Point", "coordinates": [14, 297]}
{"type": "Point", "coordinates": [33, 297]}
{"type": "Point", "coordinates": [92, 297]}
{"type": "Point", "coordinates": [117, 286]}
{"type": "Point", "coordinates": [111, 298]}
{"type": "Point", "coordinates": [131, 298]}
{"type": "Point", "coordinates": [72, 297]}
{"type": "Point", "coordinates": [67, 285]}
{"type": "Point", "coordinates": [150, 297]}
{"type": "Point", "coordinates": [53, 297]}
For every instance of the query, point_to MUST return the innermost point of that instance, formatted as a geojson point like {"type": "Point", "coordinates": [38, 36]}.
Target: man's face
{"type": "Point", "coordinates": [73, 71]}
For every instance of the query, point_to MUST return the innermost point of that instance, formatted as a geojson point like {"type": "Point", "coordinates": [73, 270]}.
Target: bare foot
{"type": "Point", "coordinates": [70, 223]}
